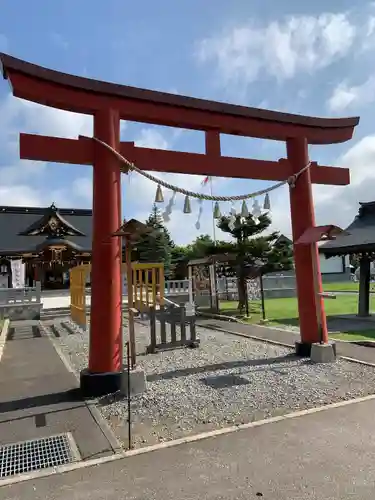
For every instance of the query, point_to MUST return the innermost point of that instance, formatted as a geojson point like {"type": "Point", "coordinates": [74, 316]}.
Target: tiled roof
{"type": "Point", "coordinates": [360, 237]}
{"type": "Point", "coordinates": [14, 220]}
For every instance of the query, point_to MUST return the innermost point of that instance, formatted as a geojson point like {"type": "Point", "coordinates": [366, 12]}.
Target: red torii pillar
{"type": "Point", "coordinates": [108, 103]}
{"type": "Point", "coordinates": [105, 355]}
{"type": "Point", "coordinates": [306, 257]}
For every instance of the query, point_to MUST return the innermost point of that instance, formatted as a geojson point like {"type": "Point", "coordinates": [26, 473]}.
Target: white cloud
{"type": "Point", "coordinates": [336, 204]}
{"type": "Point", "coordinates": [21, 184]}
{"type": "Point", "coordinates": [345, 96]}
{"type": "Point", "coordinates": [44, 120]}
{"type": "Point", "coordinates": [151, 138]}
{"type": "Point", "coordinates": [20, 181]}
{"type": "Point", "coordinates": [82, 189]}
{"type": "Point", "coordinates": [360, 158]}
{"type": "Point", "coordinates": [19, 195]}
{"type": "Point", "coordinates": [18, 186]}
{"type": "Point", "coordinates": [369, 32]}
{"type": "Point", "coordinates": [145, 189]}
{"type": "Point", "coordinates": [280, 49]}
{"type": "Point", "coordinates": [141, 192]}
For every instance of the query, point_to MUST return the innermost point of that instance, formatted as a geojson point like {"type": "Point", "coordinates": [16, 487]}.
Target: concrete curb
{"type": "Point", "coordinates": [284, 344]}
{"type": "Point", "coordinates": [177, 442]}
{"type": "Point", "coordinates": [3, 336]}
{"type": "Point", "coordinates": [359, 361]}
{"type": "Point", "coordinates": [91, 406]}
{"type": "Point", "coordinates": [251, 337]}
{"type": "Point", "coordinates": [278, 329]}
{"type": "Point", "coordinates": [68, 328]}
{"type": "Point", "coordinates": [104, 427]}
{"type": "Point", "coordinates": [338, 341]}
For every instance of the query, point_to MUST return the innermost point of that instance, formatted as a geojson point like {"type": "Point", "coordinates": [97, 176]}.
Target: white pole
{"type": "Point", "coordinates": [213, 218]}
{"type": "Point", "coordinates": [190, 275]}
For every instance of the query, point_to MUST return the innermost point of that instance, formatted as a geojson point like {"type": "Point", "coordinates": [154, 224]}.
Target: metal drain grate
{"type": "Point", "coordinates": [37, 454]}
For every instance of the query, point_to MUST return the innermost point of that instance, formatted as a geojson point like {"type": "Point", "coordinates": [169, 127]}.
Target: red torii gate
{"type": "Point", "coordinates": [108, 103]}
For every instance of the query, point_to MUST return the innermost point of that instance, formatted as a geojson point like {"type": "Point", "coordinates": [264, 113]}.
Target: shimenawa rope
{"type": "Point", "coordinates": [291, 180]}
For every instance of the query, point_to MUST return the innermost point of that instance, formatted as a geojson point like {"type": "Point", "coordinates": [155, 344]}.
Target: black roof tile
{"type": "Point", "coordinates": [360, 235]}
{"type": "Point", "coordinates": [14, 220]}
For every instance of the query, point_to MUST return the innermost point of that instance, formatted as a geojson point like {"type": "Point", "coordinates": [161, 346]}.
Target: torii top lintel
{"type": "Point", "coordinates": [84, 95]}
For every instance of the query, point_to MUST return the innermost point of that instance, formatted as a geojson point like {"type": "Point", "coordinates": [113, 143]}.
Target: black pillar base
{"type": "Point", "coordinates": [94, 385]}
{"type": "Point", "coordinates": [303, 349]}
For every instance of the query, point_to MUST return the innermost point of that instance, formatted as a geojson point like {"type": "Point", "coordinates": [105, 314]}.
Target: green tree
{"type": "Point", "coordinates": [200, 247]}
{"type": "Point", "coordinates": [156, 246]}
{"type": "Point", "coordinates": [254, 250]}
{"type": "Point", "coordinates": [179, 260]}
{"type": "Point", "coordinates": [181, 255]}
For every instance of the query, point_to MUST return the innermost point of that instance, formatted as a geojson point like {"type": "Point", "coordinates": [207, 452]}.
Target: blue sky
{"type": "Point", "coordinates": [309, 58]}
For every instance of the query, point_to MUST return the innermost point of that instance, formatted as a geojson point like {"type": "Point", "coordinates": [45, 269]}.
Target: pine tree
{"type": "Point", "coordinates": [157, 246]}
{"type": "Point", "coordinates": [253, 250]}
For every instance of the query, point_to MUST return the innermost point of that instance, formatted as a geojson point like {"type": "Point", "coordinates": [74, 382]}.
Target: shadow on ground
{"type": "Point", "coordinates": [69, 396]}
{"type": "Point", "coordinates": [220, 366]}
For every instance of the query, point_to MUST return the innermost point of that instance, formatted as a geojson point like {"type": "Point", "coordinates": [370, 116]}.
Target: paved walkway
{"type": "Point", "coordinates": [347, 349]}
{"type": "Point", "coordinates": [39, 397]}
{"type": "Point", "coordinates": [326, 455]}
{"type": "Point", "coordinates": [59, 301]}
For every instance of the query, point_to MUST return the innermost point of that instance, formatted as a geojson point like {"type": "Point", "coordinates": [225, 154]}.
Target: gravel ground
{"type": "Point", "coordinates": [227, 380]}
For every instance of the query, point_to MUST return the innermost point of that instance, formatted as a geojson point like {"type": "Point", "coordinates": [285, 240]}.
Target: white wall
{"type": "Point", "coordinates": [332, 265]}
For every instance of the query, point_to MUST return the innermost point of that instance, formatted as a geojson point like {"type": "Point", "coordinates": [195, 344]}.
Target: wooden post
{"type": "Point", "coordinates": [129, 279]}
{"type": "Point", "coordinates": [172, 315]}
{"type": "Point", "coordinates": [183, 324]}
{"type": "Point", "coordinates": [163, 329]}
{"type": "Point", "coordinates": [364, 287]}
{"type": "Point", "coordinates": [318, 298]}
{"type": "Point", "coordinates": [191, 291]}
{"type": "Point", "coordinates": [262, 296]}
{"type": "Point", "coordinates": [161, 285]}
{"type": "Point", "coordinates": [153, 341]}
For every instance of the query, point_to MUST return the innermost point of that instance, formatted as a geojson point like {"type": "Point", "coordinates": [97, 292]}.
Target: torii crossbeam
{"type": "Point", "coordinates": [108, 103]}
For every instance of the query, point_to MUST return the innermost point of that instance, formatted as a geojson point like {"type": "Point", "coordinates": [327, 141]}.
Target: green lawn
{"type": "Point", "coordinates": [346, 286]}
{"type": "Point", "coordinates": [355, 335]}
{"type": "Point", "coordinates": [281, 310]}
{"type": "Point", "coordinates": [285, 312]}
{"type": "Point", "coordinates": [342, 286]}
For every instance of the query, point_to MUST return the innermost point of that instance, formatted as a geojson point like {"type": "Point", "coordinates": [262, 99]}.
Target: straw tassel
{"type": "Point", "coordinates": [198, 223]}
{"type": "Point", "coordinates": [168, 208]}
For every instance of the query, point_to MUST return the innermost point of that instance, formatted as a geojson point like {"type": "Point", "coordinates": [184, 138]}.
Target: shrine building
{"type": "Point", "coordinates": [44, 243]}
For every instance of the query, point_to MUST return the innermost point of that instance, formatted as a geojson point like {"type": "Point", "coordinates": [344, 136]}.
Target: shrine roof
{"type": "Point", "coordinates": [212, 259]}
{"type": "Point", "coordinates": [358, 237]}
{"type": "Point", "coordinates": [51, 218]}
{"type": "Point", "coordinates": [15, 220]}
{"type": "Point", "coordinates": [59, 241]}
{"type": "Point", "coordinates": [85, 95]}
